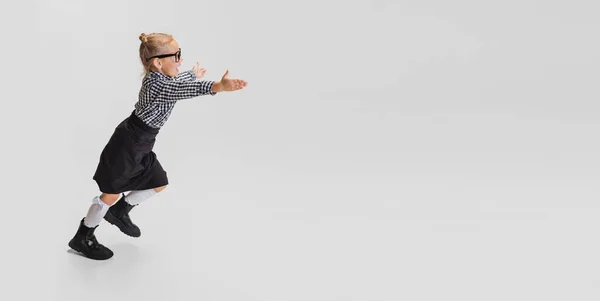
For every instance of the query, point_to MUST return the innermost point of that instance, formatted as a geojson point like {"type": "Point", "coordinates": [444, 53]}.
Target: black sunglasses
{"type": "Point", "coordinates": [176, 54]}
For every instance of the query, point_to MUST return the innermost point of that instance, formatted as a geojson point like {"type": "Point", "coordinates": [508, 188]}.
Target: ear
{"type": "Point", "coordinates": [157, 64]}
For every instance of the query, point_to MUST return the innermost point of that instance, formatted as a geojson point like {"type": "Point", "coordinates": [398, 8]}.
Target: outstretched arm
{"type": "Point", "coordinates": [172, 91]}
{"type": "Point", "coordinates": [228, 84]}
{"type": "Point", "coordinates": [193, 74]}
{"type": "Point", "coordinates": [186, 76]}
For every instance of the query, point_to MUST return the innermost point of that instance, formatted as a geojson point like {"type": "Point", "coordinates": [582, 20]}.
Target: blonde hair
{"type": "Point", "coordinates": [151, 45]}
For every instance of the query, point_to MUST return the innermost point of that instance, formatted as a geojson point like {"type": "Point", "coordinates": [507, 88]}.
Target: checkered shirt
{"type": "Point", "coordinates": [159, 94]}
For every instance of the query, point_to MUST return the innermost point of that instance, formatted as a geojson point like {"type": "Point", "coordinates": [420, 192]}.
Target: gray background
{"type": "Point", "coordinates": [383, 150]}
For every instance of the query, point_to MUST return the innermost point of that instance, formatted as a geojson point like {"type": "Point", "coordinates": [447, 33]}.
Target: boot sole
{"type": "Point", "coordinates": [76, 248]}
{"type": "Point", "coordinates": [116, 222]}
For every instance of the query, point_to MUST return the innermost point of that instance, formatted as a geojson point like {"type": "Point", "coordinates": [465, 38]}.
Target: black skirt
{"type": "Point", "coordinates": [127, 162]}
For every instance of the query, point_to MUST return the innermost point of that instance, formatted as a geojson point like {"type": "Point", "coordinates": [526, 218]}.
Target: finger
{"type": "Point", "coordinates": [226, 73]}
{"type": "Point", "coordinates": [240, 84]}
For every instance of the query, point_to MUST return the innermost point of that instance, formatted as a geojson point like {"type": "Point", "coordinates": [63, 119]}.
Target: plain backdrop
{"type": "Point", "coordinates": [382, 150]}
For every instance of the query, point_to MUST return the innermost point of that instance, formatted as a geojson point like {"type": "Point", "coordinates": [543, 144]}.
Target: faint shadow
{"type": "Point", "coordinates": [86, 269]}
{"type": "Point", "coordinates": [117, 272]}
{"type": "Point", "coordinates": [128, 250]}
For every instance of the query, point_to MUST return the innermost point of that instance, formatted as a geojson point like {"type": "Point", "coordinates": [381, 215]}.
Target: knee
{"type": "Point", "coordinates": [159, 189]}
{"type": "Point", "coordinates": [109, 199]}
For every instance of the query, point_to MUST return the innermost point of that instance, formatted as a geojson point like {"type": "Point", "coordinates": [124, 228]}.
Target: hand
{"type": "Point", "coordinates": [229, 84]}
{"type": "Point", "coordinates": [199, 71]}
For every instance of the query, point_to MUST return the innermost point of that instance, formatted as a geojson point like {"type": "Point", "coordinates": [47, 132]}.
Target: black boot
{"type": "Point", "coordinates": [118, 215]}
{"type": "Point", "coordinates": [85, 242]}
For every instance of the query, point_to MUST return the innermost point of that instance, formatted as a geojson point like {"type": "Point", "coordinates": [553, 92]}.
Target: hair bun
{"type": "Point", "coordinates": [143, 38]}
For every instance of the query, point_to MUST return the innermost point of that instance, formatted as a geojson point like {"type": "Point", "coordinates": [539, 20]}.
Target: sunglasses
{"type": "Point", "coordinates": [177, 56]}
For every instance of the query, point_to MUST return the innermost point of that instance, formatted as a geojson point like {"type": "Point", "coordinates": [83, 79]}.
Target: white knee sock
{"type": "Point", "coordinates": [137, 196]}
{"type": "Point", "coordinates": [95, 213]}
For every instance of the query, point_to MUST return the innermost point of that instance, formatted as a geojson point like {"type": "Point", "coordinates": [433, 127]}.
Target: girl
{"type": "Point", "coordinates": [127, 162]}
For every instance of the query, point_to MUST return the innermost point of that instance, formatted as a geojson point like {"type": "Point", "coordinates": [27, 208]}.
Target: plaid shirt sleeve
{"type": "Point", "coordinates": [175, 90]}
{"type": "Point", "coordinates": [189, 75]}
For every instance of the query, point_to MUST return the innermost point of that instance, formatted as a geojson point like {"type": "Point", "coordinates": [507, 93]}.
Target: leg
{"type": "Point", "coordinates": [84, 240]}
{"type": "Point", "coordinates": [109, 198]}
{"type": "Point", "coordinates": [137, 196]}
{"type": "Point", "coordinates": [118, 215]}
{"type": "Point", "coordinates": [98, 209]}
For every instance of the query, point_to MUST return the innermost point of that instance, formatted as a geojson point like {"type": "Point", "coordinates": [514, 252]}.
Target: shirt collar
{"type": "Point", "coordinates": [156, 74]}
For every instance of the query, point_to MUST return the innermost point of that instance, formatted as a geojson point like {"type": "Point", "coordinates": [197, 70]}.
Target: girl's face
{"type": "Point", "coordinates": [169, 66]}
